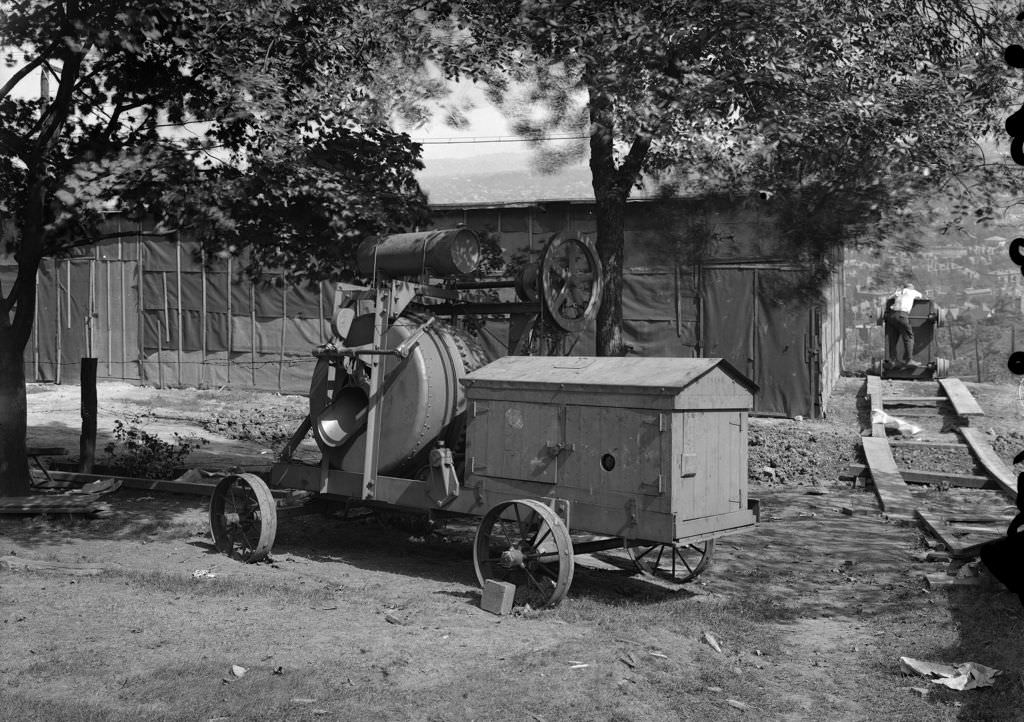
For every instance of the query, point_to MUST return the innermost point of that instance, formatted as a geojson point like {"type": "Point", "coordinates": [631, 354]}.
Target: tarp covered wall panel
{"type": "Point", "coordinates": [727, 320]}
{"type": "Point", "coordinates": [782, 351]}
{"type": "Point", "coordinates": [660, 338]}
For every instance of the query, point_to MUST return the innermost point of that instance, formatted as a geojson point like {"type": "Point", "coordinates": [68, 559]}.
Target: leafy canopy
{"type": "Point", "coordinates": [249, 125]}
{"type": "Point", "coordinates": [848, 113]}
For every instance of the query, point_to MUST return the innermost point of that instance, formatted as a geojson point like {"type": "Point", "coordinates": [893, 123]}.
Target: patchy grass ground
{"type": "Point", "coordinates": [354, 619]}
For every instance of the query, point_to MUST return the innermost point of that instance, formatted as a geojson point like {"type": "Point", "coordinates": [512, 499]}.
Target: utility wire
{"type": "Point", "coordinates": [498, 139]}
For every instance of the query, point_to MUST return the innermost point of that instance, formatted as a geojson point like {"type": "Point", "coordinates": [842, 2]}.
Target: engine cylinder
{"type": "Point", "coordinates": [423, 401]}
{"type": "Point", "coordinates": [443, 252]}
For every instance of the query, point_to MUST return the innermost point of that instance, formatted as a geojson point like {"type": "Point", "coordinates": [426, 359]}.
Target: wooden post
{"type": "Point", "coordinates": [952, 348]}
{"type": "Point", "coordinates": [284, 323]}
{"type": "Point", "coordinates": [977, 353]}
{"type": "Point", "coordinates": [87, 442]}
{"type": "Point", "coordinates": [159, 353]}
{"type": "Point", "coordinates": [230, 324]}
{"type": "Point", "coordinates": [252, 330]}
{"type": "Point", "coordinates": [180, 315]}
{"type": "Point", "coordinates": [202, 327]}
{"type": "Point", "coordinates": [60, 333]}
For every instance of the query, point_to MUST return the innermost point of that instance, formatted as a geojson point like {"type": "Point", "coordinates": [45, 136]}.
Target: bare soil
{"type": "Point", "coordinates": [355, 618]}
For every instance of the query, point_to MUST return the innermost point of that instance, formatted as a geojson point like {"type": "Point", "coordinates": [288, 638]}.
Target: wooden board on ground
{"type": "Point", "coordinates": [961, 541]}
{"type": "Point", "coordinates": [874, 392]}
{"type": "Point", "coordinates": [184, 485]}
{"type": "Point", "coordinates": [14, 563]}
{"type": "Point", "coordinates": [893, 495]}
{"type": "Point", "coordinates": [915, 476]}
{"type": "Point", "coordinates": [988, 458]}
{"type": "Point", "coordinates": [31, 505]}
{"type": "Point", "coordinates": [960, 397]}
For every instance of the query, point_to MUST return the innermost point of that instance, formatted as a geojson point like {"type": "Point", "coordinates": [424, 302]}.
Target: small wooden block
{"type": "Point", "coordinates": [498, 597]}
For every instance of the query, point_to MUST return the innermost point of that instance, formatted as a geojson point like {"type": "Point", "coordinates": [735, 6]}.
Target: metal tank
{"type": "Point", "coordinates": [423, 401]}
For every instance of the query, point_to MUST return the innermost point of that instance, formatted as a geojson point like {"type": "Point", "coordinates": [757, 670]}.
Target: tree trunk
{"type": "Point", "coordinates": [609, 214]}
{"type": "Point", "coordinates": [612, 185]}
{"type": "Point", "coordinates": [610, 217]}
{"type": "Point", "coordinates": [14, 476]}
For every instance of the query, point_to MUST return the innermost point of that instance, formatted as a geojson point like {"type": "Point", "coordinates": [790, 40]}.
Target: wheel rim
{"type": "Point", "coordinates": [243, 517]}
{"type": "Point", "coordinates": [678, 563]}
{"type": "Point", "coordinates": [571, 283]}
{"type": "Point", "coordinates": [525, 543]}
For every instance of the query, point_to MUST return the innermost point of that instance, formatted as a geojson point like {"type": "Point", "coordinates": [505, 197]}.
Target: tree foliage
{"type": "Point", "coordinates": [260, 128]}
{"type": "Point", "coordinates": [845, 113]}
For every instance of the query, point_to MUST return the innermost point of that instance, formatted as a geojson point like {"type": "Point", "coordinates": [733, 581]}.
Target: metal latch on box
{"type": "Point", "coordinates": [554, 449]}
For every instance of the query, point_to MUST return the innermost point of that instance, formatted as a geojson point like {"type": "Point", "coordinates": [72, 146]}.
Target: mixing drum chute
{"type": "Point", "coordinates": [422, 403]}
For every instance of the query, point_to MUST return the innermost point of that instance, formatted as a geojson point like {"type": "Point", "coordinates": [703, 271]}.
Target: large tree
{"type": "Point", "coordinates": [844, 112]}
{"type": "Point", "coordinates": [257, 127]}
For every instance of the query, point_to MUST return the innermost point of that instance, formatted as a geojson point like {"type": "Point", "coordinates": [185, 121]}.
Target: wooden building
{"type": "Point", "coordinates": [704, 278]}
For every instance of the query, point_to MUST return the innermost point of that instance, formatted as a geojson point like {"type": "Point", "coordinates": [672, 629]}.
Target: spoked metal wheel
{"type": "Point", "coordinates": [243, 517]}
{"type": "Point", "coordinates": [570, 282]}
{"type": "Point", "coordinates": [525, 543]}
{"type": "Point", "coordinates": [677, 563]}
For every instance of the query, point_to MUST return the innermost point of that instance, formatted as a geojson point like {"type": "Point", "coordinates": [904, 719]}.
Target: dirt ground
{"type": "Point", "coordinates": [358, 619]}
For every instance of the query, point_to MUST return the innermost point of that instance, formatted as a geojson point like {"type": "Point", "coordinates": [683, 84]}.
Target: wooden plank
{"type": "Point", "coordinates": [14, 563]}
{"type": "Point", "coordinates": [52, 505]}
{"type": "Point", "coordinates": [1001, 473]}
{"type": "Point", "coordinates": [890, 400]}
{"type": "Point", "coordinates": [195, 488]}
{"type": "Point", "coordinates": [960, 397]}
{"type": "Point", "coordinates": [874, 392]}
{"type": "Point", "coordinates": [964, 481]}
{"type": "Point", "coordinates": [945, 533]}
{"type": "Point", "coordinates": [929, 444]}
{"type": "Point", "coordinates": [893, 495]}
{"type": "Point", "coordinates": [915, 476]}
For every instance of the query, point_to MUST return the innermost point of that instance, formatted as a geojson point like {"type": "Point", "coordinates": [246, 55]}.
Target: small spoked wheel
{"type": "Point", "coordinates": [525, 543]}
{"type": "Point", "coordinates": [243, 517]}
{"type": "Point", "coordinates": [677, 563]}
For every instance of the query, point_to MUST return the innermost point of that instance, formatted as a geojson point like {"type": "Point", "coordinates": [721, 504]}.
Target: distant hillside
{"type": "Point", "coordinates": [501, 179]}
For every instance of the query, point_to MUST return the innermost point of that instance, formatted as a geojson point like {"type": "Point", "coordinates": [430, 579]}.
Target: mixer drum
{"type": "Point", "coordinates": [423, 399]}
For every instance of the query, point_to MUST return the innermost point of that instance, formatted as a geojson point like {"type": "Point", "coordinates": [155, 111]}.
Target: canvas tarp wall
{"type": "Point", "coordinates": [150, 311]}
{"type": "Point", "coordinates": [700, 279]}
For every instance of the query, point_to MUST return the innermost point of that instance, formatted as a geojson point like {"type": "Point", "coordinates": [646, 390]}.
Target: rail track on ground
{"type": "Point", "coordinates": [929, 465]}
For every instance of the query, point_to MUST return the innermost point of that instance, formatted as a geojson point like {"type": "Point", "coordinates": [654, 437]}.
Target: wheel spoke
{"type": "Point", "coordinates": [538, 585]}
{"type": "Point", "coordinates": [535, 542]}
{"type": "Point", "coordinates": [504, 533]}
{"type": "Point", "coordinates": [546, 571]}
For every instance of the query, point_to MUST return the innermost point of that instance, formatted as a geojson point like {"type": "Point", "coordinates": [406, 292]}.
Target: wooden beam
{"type": "Point", "coordinates": [889, 400]}
{"type": "Point", "coordinates": [1003, 475]}
{"type": "Point", "coordinates": [944, 532]}
{"type": "Point", "coordinates": [893, 495]}
{"type": "Point", "coordinates": [960, 397]}
{"type": "Point", "coordinates": [173, 486]}
{"type": "Point", "coordinates": [932, 444]}
{"type": "Point", "coordinates": [53, 505]}
{"type": "Point", "coordinates": [874, 392]}
{"type": "Point", "coordinates": [914, 476]}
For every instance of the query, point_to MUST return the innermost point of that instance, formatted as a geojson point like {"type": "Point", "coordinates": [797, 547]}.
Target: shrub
{"type": "Point", "coordinates": [135, 452]}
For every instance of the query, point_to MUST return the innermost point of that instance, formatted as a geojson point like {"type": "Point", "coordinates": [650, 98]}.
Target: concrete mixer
{"type": "Point", "coordinates": [645, 455]}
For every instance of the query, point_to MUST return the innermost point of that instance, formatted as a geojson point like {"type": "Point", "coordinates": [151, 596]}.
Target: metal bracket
{"type": "Point", "coordinates": [554, 449]}
{"type": "Point", "coordinates": [442, 481]}
{"type": "Point", "coordinates": [561, 507]}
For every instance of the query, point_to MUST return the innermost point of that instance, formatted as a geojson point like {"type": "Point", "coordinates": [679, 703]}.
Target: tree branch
{"type": "Point", "coordinates": [632, 164]}
{"type": "Point", "coordinates": [25, 70]}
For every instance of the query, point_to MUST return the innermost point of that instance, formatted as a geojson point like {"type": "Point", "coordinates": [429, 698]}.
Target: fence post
{"type": "Point", "coordinates": [87, 441]}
